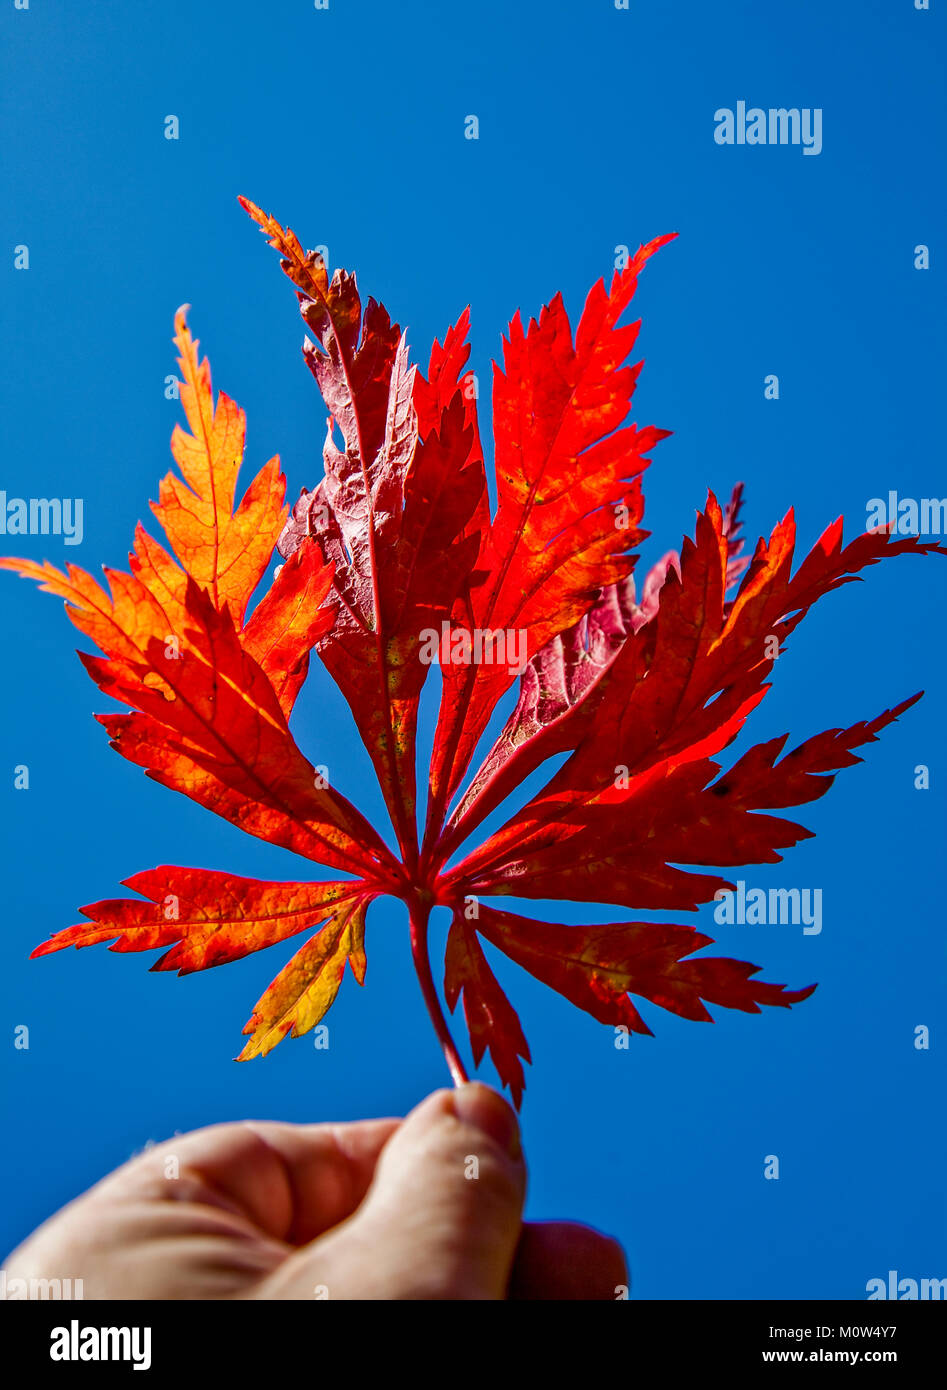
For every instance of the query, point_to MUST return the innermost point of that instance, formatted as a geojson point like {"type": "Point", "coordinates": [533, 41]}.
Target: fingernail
{"type": "Point", "coordinates": [477, 1105]}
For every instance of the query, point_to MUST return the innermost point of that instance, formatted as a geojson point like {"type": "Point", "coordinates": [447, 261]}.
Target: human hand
{"type": "Point", "coordinates": [428, 1207]}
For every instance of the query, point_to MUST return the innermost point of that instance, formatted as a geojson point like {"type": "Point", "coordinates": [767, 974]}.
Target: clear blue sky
{"type": "Point", "coordinates": [596, 129]}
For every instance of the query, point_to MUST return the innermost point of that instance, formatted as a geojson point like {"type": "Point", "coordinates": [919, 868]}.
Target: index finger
{"type": "Point", "coordinates": [293, 1181]}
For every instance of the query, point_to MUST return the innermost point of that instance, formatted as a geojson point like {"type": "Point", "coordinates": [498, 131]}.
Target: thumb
{"type": "Point", "coordinates": [442, 1218]}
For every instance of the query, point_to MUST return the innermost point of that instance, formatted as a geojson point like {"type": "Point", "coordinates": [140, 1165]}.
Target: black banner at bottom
{"type": "Point", "coordinates": [276, 1339]}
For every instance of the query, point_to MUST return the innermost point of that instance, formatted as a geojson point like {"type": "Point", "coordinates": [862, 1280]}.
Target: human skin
{"type": "Point", "coordinates": [375, 1209]}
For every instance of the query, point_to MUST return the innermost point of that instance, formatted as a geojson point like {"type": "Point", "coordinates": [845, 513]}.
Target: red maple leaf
{"type": "Point", "coordinates": [396, 561]}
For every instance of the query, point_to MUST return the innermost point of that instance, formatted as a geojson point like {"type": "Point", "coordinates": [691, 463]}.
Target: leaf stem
{"type": "Point", "coordinates": [419, 911]}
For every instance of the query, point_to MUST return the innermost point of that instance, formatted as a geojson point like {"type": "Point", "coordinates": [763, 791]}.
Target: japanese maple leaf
{"type": "Point", "coordinates": [396, 561]}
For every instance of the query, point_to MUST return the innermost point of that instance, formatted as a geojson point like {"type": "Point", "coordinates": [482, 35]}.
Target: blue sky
{"type": "Point", "coordinates": [596, 130]}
